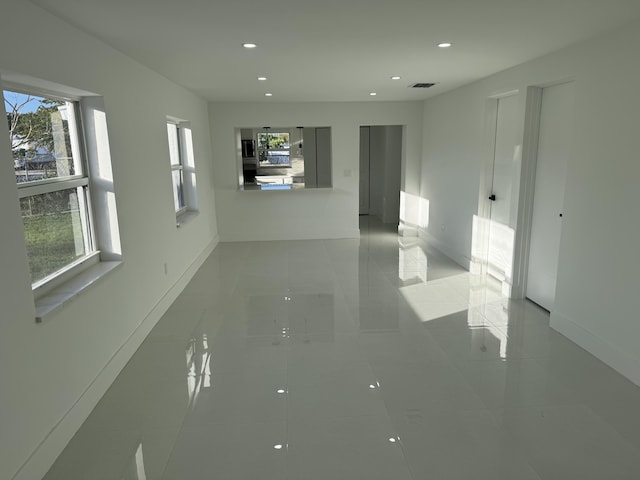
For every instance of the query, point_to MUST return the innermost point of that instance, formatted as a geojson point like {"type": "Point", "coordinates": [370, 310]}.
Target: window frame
{"type": "Point", "coordinates": [260, 149]}
{"type": "Point", "coordinates": [177, 166]}
{"type": "Point", "coordinates": [80, 181]}
{"type": "Point", "coordinates": [186, 166]}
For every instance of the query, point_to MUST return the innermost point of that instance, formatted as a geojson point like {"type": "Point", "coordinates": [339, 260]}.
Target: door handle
{"type": "Point", "coordinates": [492, 197]}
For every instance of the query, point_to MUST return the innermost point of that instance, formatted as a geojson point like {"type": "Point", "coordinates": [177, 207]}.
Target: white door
{"type": "Point", "coordinates": [364, 170]}
{"type": "Point", "coordinates": [556, 118]}
{"type": "Point", "coordinates": [506, 171]}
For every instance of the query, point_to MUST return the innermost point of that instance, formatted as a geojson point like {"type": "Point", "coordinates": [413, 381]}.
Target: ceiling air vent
{"type": "Point", "coordinates": [421, 85]}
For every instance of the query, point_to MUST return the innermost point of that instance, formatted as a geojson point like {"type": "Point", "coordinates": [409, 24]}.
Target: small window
{"type": "Point", "coordinates": [52, 181]}
{"type": "Point", "coordinates": [181, 159]}
{"type": "Point", "coordinates": [176, 166]}
{"type": "Point", "coordinates": [274, 149]}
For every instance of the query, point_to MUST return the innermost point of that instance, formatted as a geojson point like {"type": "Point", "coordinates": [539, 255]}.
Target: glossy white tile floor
{"type": "Point", "coordinates": [376, 358]}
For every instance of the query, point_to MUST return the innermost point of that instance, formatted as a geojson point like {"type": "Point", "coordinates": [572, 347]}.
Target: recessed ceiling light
{"type": "Point", "coordinates": [395, 77]}
{"type": "Point", "coordinates": [444, 44]}
{"type": "Point", "coordinates": [262, 79]}
{"type": "Point", "coordinates": [373, 94]}
{"type": "Point", "coordinates": [249, 45]}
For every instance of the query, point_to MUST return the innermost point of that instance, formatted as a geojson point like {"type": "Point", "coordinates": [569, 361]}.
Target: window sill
{"type": "Point", "coordinates": [289, 187]}
{"type": "Point", "coordinates": [186, 217]}
{"type": "Point", "coordinates": [62, 295]}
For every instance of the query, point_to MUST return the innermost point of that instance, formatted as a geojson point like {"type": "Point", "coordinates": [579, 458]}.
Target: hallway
{"type": "Point", "coordinates": [376, 358]}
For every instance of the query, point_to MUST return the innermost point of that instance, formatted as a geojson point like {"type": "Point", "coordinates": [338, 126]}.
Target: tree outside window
{"type": "Point", "coordinates": [273, 149]}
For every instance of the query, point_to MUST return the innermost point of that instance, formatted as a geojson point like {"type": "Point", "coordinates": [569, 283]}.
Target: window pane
{"type": "Point", "coordinates": [273, 140]}
{"type": "Point", "coordinates": [178, 197]}
{"type": "Point", "coordinates": [279, 140]}
{"type": "Point", "coordinates": [53, 230]}
{"type": "Point", "coordinates": [174, 145]}
{"type": "Point", "coordinates": [42, 134]}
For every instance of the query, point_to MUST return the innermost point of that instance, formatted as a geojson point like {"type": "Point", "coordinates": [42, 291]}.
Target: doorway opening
{"type": "Point", "coordinates": [380, 170]}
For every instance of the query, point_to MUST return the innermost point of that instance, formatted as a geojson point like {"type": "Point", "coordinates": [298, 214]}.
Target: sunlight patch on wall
{"type": "Point", "coordinates": [492, 247]}
{"type": "Point", "coordinates": [414, 210]}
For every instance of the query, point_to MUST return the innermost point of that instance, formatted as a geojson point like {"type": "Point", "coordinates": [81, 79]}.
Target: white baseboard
{"type": "Point", "coordinates": [460, 259]}
{"type": "Point", "coordinates": [61, 434]}
{"type": "Point", "coordinates": [408, 230]}
{"type": "Point", "coordinates": [620, 361]}
{"type": "Point", "coordinates": [280, 236]}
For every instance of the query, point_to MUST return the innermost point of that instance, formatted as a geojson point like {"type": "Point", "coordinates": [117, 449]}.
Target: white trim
{"type": "Point", "coordinates": [463, 261]}
{"type": "Point", "coordinates": [522, 242]}
{"type": "Point", "coordinates": [56, 298]}
{"type": "Point", "coordinates": [41, 459]}
{"type": "Point", "coordinates": [501, 95]}
{"type": "Point", "coordinates": [27, 89]}
{"type": "Point", "coordinates": [185, 165]}
{"type": "Point", "coordinates": [406, 229]}
{"type": "Point", "coordinates": [608, 353]}
{"type": "Point", "coordinates": [186, 216]}
{"type": "Point", "coordinates": [533, 111]}
{"type": "Point", "coordinates": [30, 189]}
{"type": "Point", "coordinates": [65, 274]}
{"type": "Point", "coordinates": [268, 237]}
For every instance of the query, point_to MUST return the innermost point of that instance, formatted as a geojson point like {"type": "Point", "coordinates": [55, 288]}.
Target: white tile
{"type": "Point", "coordinates": [329, 348]}
{"type": "Point", "coordinates": [259, 353]}
{"type": "Point", "coordinates": [347, 392]}
{"type": "Point", "coordinates": [356, 448]}
{"type": "Point", "coordinates": [425, 386]}
{"type": "Point", "coordinates": [516, 383]}
{"type": "Point", "coordinates": [318, 314]}
{"type": "Point", "coordinates": [161, 404]}
{"type": "Point", "coordinates": [104, 454]}
{"type": "Point", "coordinates": [157, 361]}
{"type": "Point", "coordinates": [308, 356]}
{"type": "Point", "coordinates": [477, 342]}
{"type": "Point", "coordinates": [570, 442]}
{"type": "Point", "coordinates": [230, 451]}
{"type": "Point", "coordinates": [393, 347]}
{"type": "Point", "coordinates": [460, 446]}
{"type": "Point", "coordinates": [239, 396]}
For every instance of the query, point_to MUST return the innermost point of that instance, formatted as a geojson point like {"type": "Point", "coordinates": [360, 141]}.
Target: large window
{"type": "Point", "coordinates": [182, 166]}
{"type": "Point", "coordinates": [52, 181]}
{"type": "Point", "coordinates": [273, 149]}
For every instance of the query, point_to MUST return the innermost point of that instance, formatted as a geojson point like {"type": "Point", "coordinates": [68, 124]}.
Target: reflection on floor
{"type": "Point", "coordinates": [376, 358]}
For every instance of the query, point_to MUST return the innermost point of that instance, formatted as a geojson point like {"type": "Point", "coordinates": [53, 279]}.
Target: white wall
{"type": "Point", "coordinates": [45, 369]}
{"type": "Point", "coordinates": [597, 277]}
{"type": "Point", "coordinates": [302, 214]}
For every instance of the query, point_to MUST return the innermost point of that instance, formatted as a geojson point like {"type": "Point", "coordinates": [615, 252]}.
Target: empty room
{"type": "Point", "coordinates": [312, 240]}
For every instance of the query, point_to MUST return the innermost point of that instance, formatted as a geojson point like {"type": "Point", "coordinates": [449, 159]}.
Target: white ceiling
{"type": "Point", "coordinates": [337, 50]}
